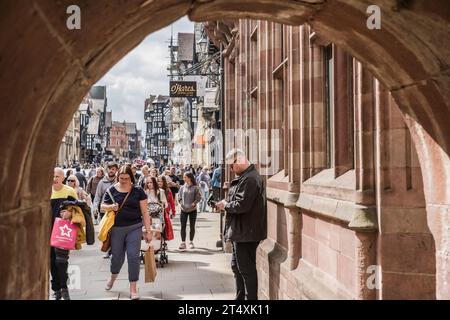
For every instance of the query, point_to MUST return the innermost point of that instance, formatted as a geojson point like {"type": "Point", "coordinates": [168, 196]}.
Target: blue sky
{"type": "Point", "coordinates": [140, 73]}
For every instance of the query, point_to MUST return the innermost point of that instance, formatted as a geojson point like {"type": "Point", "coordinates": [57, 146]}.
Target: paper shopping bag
{"type": "Point", "coordinates": [64, 234]}
{"type": "Point", "coordinates": [150, 265]}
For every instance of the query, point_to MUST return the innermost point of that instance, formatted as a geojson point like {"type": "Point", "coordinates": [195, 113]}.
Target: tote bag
{"type": "Point", "coordinates": [64, 234]}
{"type": "Point", "coordinates": [150, 265]}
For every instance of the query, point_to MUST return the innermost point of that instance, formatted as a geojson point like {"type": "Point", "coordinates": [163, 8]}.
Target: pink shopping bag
{"type": "Point", "coordinates": [64, 234]}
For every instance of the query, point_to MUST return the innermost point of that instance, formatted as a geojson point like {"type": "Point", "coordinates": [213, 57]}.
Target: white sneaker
{"type": "Point", "coordinates": [191, 245]}
{"type": "Point", "coordinates": [134, 296]}
{"type": "Point", "coordinates": [182, 246]}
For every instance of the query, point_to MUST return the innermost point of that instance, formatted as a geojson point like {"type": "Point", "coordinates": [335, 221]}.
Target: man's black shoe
{"type": "Point", "coordinates": [65, 294]}
{"type": "Point", "coordinates": [57, 295]}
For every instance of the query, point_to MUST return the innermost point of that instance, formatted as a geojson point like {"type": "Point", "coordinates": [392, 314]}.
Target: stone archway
{"type": "Point", "coordinates": [46, 69]}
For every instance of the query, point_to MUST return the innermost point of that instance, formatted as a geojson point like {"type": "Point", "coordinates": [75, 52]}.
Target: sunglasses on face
{"type": "Point", "coordinates": [70, 180]}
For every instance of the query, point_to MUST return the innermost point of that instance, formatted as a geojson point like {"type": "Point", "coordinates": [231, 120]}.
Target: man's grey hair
{"type": "Point", "coordinates": [60, 170]}
{"type": "Point", "coordinates": [234, 153]}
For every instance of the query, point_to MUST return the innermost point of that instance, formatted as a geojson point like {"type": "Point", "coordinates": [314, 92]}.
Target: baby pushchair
{"type": "Point", "coordinates": [158, 242]}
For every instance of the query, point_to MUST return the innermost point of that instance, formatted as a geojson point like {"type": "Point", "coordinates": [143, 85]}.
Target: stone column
{"type": "Point", "coordinates": [367, 271]}
{"type": "Point", "coordinates": [435, 165]}
{"type": "Point", "coordinates": [25, 252]}
{"type": "Point", "coordinates": [294, 228]}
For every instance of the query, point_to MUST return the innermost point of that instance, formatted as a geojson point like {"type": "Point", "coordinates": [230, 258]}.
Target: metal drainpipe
{"type": "Point", "coordinates": [220, 243]}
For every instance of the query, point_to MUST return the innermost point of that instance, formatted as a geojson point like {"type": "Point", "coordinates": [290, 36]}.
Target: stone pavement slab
{"type": "Point", "coordinates": [196, 274]}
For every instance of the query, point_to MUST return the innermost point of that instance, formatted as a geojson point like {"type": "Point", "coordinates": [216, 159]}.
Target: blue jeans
{"type": "Point", "coordinates": [126, 240]}
{"type": "Point", "coordinates": [202, 204]}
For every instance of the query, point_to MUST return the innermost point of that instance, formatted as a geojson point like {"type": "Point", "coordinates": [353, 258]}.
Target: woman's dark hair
{"type": "Point", "coordinates": [126, 170]}
{"type": "Point", "coordinates": [191, 177]}
{"type": "Point", "coordinates": [154, 183]}
{"type": "Point", "coordinates": [165, 186]}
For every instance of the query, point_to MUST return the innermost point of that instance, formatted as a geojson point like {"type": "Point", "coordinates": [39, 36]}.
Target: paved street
{"type": "Point", "coordinates": [199, 274]}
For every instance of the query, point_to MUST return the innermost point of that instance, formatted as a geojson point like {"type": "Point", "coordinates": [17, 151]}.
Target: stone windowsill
{"type": "Point", "coordinates": [358, 217]}
{"type": "Point", "coordinates": [285, 198]}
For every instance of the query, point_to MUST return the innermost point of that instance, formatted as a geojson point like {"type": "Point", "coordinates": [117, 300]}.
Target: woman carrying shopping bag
{"type": "Point", "coordinates": [127, 231]}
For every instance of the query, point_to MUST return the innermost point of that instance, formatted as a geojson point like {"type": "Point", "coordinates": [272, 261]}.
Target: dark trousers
{"type": "Point", "coordinates": [59, 263]}
{"type": "Point", "coordinates": [216, 193]}
{"type": "Point", "coordinates": [243, 264]}
{"type": "Point", "coordinates": [183, 219]}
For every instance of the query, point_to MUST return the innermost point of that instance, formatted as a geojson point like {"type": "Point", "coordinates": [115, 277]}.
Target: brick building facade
{"type": "Point", "coordinates": [346, 209]}
{"type": "Point", "coordinates": [118, 141]}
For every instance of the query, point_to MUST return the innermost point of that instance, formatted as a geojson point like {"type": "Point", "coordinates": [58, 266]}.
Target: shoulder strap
{"type": "Point", "coordinates": [110, 195]}
{"type": "Point", "coordinates": [124, 200]}
{"type": "Point", "coordinates": [114, 201]}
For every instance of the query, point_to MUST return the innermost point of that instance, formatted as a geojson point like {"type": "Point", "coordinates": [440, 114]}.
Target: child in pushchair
{"type": "Point", "coordinates": [158, 241]}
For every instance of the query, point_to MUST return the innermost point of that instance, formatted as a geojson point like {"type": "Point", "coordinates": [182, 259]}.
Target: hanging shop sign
{"type": "Point", "coordinates": [183, 89]}
{"type": "Point", "coordinates": [210, 99]}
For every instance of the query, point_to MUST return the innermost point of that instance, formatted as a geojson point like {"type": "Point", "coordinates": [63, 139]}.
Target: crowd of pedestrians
{"type": "Point", "coordinates": [136, 194]}
{"type": "Point", "coordinates": [133, 192]}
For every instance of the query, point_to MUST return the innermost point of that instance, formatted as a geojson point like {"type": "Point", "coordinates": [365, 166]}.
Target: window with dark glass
{"type": "Point", "coordinates": [329, 103]}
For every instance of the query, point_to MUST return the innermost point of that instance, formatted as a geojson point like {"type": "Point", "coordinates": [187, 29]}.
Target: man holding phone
{"type": "Point", "coordinates": [245, 222]}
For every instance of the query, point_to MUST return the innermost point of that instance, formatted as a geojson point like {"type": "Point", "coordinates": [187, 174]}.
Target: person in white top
{"type": "Point", "coordinates": [157, 203]}
{"type": "Point", "coordinates": [154, 193]}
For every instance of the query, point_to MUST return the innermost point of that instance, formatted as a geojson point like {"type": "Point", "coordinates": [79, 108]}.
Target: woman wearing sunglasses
{"type": "Point", "coordinates": [72, 181]}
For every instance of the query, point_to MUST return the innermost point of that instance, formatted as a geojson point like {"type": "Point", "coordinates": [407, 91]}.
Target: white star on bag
{"type": "Point", "coordinates": [65, 231]}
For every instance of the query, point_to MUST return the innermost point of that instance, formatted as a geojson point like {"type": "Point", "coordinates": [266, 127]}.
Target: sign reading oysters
{"type": "Point", "coordinates": [183, 89]}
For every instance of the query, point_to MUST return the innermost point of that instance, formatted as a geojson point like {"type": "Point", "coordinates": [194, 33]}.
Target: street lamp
{"type": "Point", "coordinates": [203, 44]}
